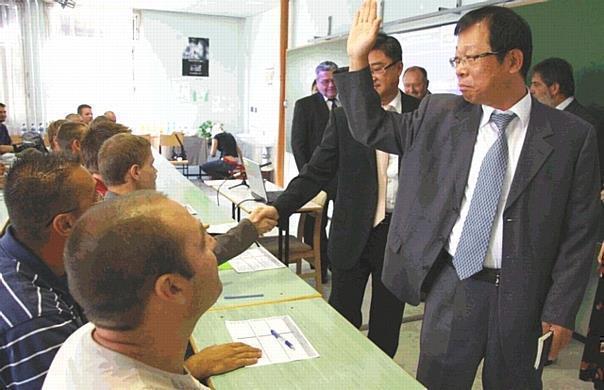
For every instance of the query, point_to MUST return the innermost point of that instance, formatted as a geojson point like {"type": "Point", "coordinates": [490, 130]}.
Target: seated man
{"type": "Point", "coordinates": [126, 164]}
{"type": "Point", "coordinates": [91, 144]}
{"type": "Point", "coordinates": [69, 138]}
{"type": "Point", "coordinates": [44, 195]}
{"type": "Point", "coordinates": [162, 277]}
{"type": "Point", "coordinates": [230, 154]}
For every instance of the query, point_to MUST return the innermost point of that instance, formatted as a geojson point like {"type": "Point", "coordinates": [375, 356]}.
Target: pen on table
{"type": "Point", "coordinates": [279, 337]}
{"type": "Point", "coordinates": [243, 296]}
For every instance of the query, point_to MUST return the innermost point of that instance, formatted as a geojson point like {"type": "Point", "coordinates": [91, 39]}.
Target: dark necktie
{"type": "Point", "coordinates": [476, 233]}
{"type": "Point", "coordinates": [332, 104]}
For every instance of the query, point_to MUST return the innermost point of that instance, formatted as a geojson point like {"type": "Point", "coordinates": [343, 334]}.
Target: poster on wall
{"type": "Point", "coordinates": [196, 58]}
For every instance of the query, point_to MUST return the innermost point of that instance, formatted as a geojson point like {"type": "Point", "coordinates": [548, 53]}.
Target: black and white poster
{"type": "Point", "coordinates": [196, 58]}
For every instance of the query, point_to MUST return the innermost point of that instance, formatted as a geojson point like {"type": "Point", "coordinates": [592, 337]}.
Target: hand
{"type": "Point", "coordinates": [602, 195]}
{"type": "Point", "coordinates": [264, 218]}
{"type": "Point", "coordinates": [363, 34]}
{"type": "Point", "coordinates": [218, 359]}
{"type": "Point", "coordinates": [560, 338]}
{"type": "Point", "coordinates": [6, 149]}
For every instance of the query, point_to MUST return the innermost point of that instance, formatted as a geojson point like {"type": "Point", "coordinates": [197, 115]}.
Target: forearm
{"type": "Point", "coordinates": [235, 241]}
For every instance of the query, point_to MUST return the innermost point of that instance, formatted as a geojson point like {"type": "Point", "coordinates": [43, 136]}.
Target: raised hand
{"type": "Point", "coordinates": [221, 358]}
{"type": "Point", "coordinates": [363, 34]}
{"type": "Point", "coordinates": [264, 218]}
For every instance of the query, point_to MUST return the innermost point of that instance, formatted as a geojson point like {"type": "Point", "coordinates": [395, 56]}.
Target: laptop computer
{"type": "Point", "coordinates": [256, 182]}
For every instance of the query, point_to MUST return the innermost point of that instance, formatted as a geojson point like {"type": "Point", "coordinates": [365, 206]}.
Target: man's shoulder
{"type": "Point", "coordinates": [579, 110]}
{"type": "Point", "coordinates": [309, 100]}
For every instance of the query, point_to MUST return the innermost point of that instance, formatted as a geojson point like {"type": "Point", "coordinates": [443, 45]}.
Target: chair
{"type": "Point", "coordinates": [298, 249]}
{"type": "Point", "coordinates": [175, 139]}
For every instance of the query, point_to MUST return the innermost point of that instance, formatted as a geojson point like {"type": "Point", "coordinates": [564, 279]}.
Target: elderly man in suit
{"type": "Point", "coordinates": [367, 186]}
{"type": "Point", "coordinates": [310, 117]}
{"type": "Point", "coordinates": [497, 205]}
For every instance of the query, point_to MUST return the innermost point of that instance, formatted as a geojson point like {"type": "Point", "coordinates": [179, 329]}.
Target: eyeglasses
{"type": "Point", "coordinates": [381, 69]}
{"type": "Point", "coordinates": [471, 60]}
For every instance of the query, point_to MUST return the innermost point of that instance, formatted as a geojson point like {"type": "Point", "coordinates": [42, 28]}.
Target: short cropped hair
{"type": "Point", "coordinates": [99, 120]}
{"type": "Point", "coordinates": [119, 153]}
{"type": "Point", "coordinates": [83, 106]}
{"type": "Point", "coordinates": [418, 69]}
{"type": "Point", "coordinates": [70, 131]}
{"type": "Point", "coordinates": [326, 66]}
{"type": "Point", "coordinates": [507, 31]}
{"type": "Point", "coordinates": [2, 105]}
{"type": "Point", "coordinates": [73, 117]}
{"type": "Point", "coordinates": [390, 46]}
{"type": "Point", "coordinates": [115, 254]}
{"type": "Point", "coordinates": [557, 70]}
{"type": "Point", "coordinates": [92, 142]}
{"type": "Point", "coordinates": [53, 129]}
{"type": "Point", "coordinates": [38, 187]}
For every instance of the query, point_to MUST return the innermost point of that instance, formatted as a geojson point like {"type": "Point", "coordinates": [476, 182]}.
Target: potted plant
{"type": "Point", "coordinates": [205, 130]}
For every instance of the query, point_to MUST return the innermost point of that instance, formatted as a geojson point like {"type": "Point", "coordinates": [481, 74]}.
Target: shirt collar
{"type": "Point", "coordinates": [397, 102]}
{"type": "Point", "coordinates": [327, 99]}
{"type": "Point", "coordinates": [16, 250]}
{"type": "Point", "coordinates": [522, 109]}
{"type": "Point", "coordinates": [565, 103]}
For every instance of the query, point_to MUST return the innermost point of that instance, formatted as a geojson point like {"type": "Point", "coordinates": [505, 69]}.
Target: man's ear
{"type": "Point", "coordinates": [63, 223]}
{"type": "Point", "coordinates": [135, 171]}
{"type": "Point", "coordinates": [171, 288]}
{"type": "Point", "coordinates": [516, 58]}
{"type": "Point", "coordinates": [554, 89]}
{"type": "Point", "coordinates": [75, 146]}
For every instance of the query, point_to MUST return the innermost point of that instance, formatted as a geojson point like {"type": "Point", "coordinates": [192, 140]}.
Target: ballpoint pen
{"type": "Point", "coordinates": [279, 337]}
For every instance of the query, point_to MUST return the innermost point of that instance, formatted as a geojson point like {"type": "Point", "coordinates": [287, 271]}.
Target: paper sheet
{"type": "Point", "coordinates": [540, 343]}
{"type": "Point", "coordinates": [255, 259]}
{"type": "Point", "coordinates": [279, 338]}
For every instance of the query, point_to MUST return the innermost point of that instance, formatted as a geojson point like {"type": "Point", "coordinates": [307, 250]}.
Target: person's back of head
{"type": "Point", "coordinates": [127, 159]}
{"type": "Point", "coordinates": [99, 121]}
{"type": "Point", "coordinates": [142, 242]}
{"type": "Point", "coordinates": [110, 115]}
{"type": "Point", "coordinates": [74, 117]}
{"type": "Point", "coordinates": [93, 140]}
{"type": "Point", "coordinates": [52, 130]}
{"type": "Point", "coordinates": [69, 137]}
{"type": "Point", "coordinates": [41, 189]}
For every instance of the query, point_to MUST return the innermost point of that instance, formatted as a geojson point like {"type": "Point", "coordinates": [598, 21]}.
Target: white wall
{"type": "Point", "coordinates": [168, 100]}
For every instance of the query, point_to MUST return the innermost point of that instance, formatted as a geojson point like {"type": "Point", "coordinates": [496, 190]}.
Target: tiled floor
{"type": "Point", "coordinates": [562, 375]}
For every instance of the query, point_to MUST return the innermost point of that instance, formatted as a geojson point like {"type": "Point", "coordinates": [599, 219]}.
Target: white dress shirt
{"type": "Point", "coordinates": [328, 102]}
{"type": "Point", "coordinates": [565, 103]}
{"type": "Point", "coordinates": [487, 135]}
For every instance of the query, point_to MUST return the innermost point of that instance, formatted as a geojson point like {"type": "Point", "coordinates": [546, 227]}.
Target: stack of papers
{"type": "Point", "coordinates": [279, 338]}
{"type": "Point", "coordinates": [255, 259]}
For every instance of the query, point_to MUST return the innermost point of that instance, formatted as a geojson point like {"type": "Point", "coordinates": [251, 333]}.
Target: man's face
{"type": "Point", "coordinates": [415, 84]}
{"type": "Point", "coordinates": [325, 84]}
{"type": "Point", "coordinates": [385, 73]}
{"type": "Point", "coordinates": [481, 81]}
{"type": "Point", "coordinates": [148, 174]}
{"type": "Point", "coordinates": [86, 115]}
{"type": "Point", "coordinates": [541, 91]}
{"type": "Point", "coordinates": [2, 114]}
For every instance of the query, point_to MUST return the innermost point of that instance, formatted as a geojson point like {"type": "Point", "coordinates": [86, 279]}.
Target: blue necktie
{"type": "Point", "coordinates": [476, 233]}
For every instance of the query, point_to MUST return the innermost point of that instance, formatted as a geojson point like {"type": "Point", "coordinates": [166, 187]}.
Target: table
{"type": "Point", "coordinates": [277, 285]}
{"type": "Point", "coordinates": [241, 198]}
{"type": "Point", "coordinates": [348, 359]}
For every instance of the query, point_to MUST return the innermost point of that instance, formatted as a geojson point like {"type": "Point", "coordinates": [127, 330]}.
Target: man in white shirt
{"type": "Point", "coordinates": [159, 276]}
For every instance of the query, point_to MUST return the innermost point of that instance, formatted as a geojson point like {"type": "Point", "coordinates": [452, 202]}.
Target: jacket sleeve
{"type": "Point", "coordinates": [299, 136]}
{"type": "Point", "coordinates": [235, 241]}
{"type": "Point", "coordinates": [571, 270]}
{"type": "Point", "coordinates": [319, 171]}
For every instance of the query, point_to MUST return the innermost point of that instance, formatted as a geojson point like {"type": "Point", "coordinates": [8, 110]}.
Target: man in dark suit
{"type": "Point", "coordinates": [5, 140]}
{"type": "Point", "coordinates": [553, 84]}
{"type": "Point", "coordinates": [311, 114]}
{"type": "Point", "coordinates": [367, 182]}
{"type": "Point", "coordinates": [497, 205]}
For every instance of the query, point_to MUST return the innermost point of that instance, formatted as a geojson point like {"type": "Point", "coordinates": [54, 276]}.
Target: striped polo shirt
{"type": "Point", "coordinates": [37, 314]}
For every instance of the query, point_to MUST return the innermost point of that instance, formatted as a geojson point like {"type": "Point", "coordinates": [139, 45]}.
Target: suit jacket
{"type": "Point", "coordinates": [4, 136]}
{"type": "Point", "coordinates": [308, 125]}
{"type": "Point", "coordinates": [354, 165]}
{"type": "Point", "coordinates": [235, 241]}
{"type": "Point", "coordinates": [550, 218]}
{"type": "Point", "coordinates": [579, 110]}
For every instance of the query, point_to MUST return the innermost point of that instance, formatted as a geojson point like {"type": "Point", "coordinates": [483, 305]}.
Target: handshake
{"type": "Point", "coordinates": [264, 218]}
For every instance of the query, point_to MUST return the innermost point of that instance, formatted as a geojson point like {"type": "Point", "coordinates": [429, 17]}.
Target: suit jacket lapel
{"type": "Point", "coordinates": [534, 152]}
{"type": "Point", "coordinates": [463, 142]}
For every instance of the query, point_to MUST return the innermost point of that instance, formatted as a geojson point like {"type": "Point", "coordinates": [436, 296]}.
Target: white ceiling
{"type": "Point", "coordinates": [233, 8]}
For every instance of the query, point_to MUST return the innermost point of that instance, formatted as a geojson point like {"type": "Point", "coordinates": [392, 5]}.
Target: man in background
{"type": "Point", "coordinates": [85, 111]}
{"type": "Point", "coordinates": [69, 138]}
{"type": "Point", "coordinates": [126, 165]}
{"type": "Point", "coordinates": [141, 321]}
{"type": "Point", "coordinates": [311, 114]}
{"type": "Point", "coordinates": [5, 140]}
{"type": "Point", "coordinates": [111, 116]}
{"type": "Point", "coordinates": [415, 82]}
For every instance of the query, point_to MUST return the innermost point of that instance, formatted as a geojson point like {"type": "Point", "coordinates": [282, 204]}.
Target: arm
{"type": "Point", "coordinates": [319, 171]}
{"type": "Point", "coordinates": [571, 269]}
{"type": "Point", "coordinates": [214, 147]}
{"type": "Point", "coordinates": [235, 241]}
{"type": "Point", "coordinates": [300, 130]}
{"type": "Point", "coordinates": [218, 359]}
{"type": "Point", "coordinates": [32, 347]}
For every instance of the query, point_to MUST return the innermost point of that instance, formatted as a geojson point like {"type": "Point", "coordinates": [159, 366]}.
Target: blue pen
{"type": "Point", "coordinates": [279, 337]}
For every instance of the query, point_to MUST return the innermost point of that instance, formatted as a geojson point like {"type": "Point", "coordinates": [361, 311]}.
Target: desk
{"type": "Point", "coordinates": [277, 285]}
{"type": "Point", "coordinates": [180, 189]}
{"type": "Point", "coordinates": [348, 359]}
{"type": "Point", "coordinates": [241, 199]}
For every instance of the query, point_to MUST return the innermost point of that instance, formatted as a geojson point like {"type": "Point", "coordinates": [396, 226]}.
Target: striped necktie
{"type": "Point", "coordinates": [476, 233]}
